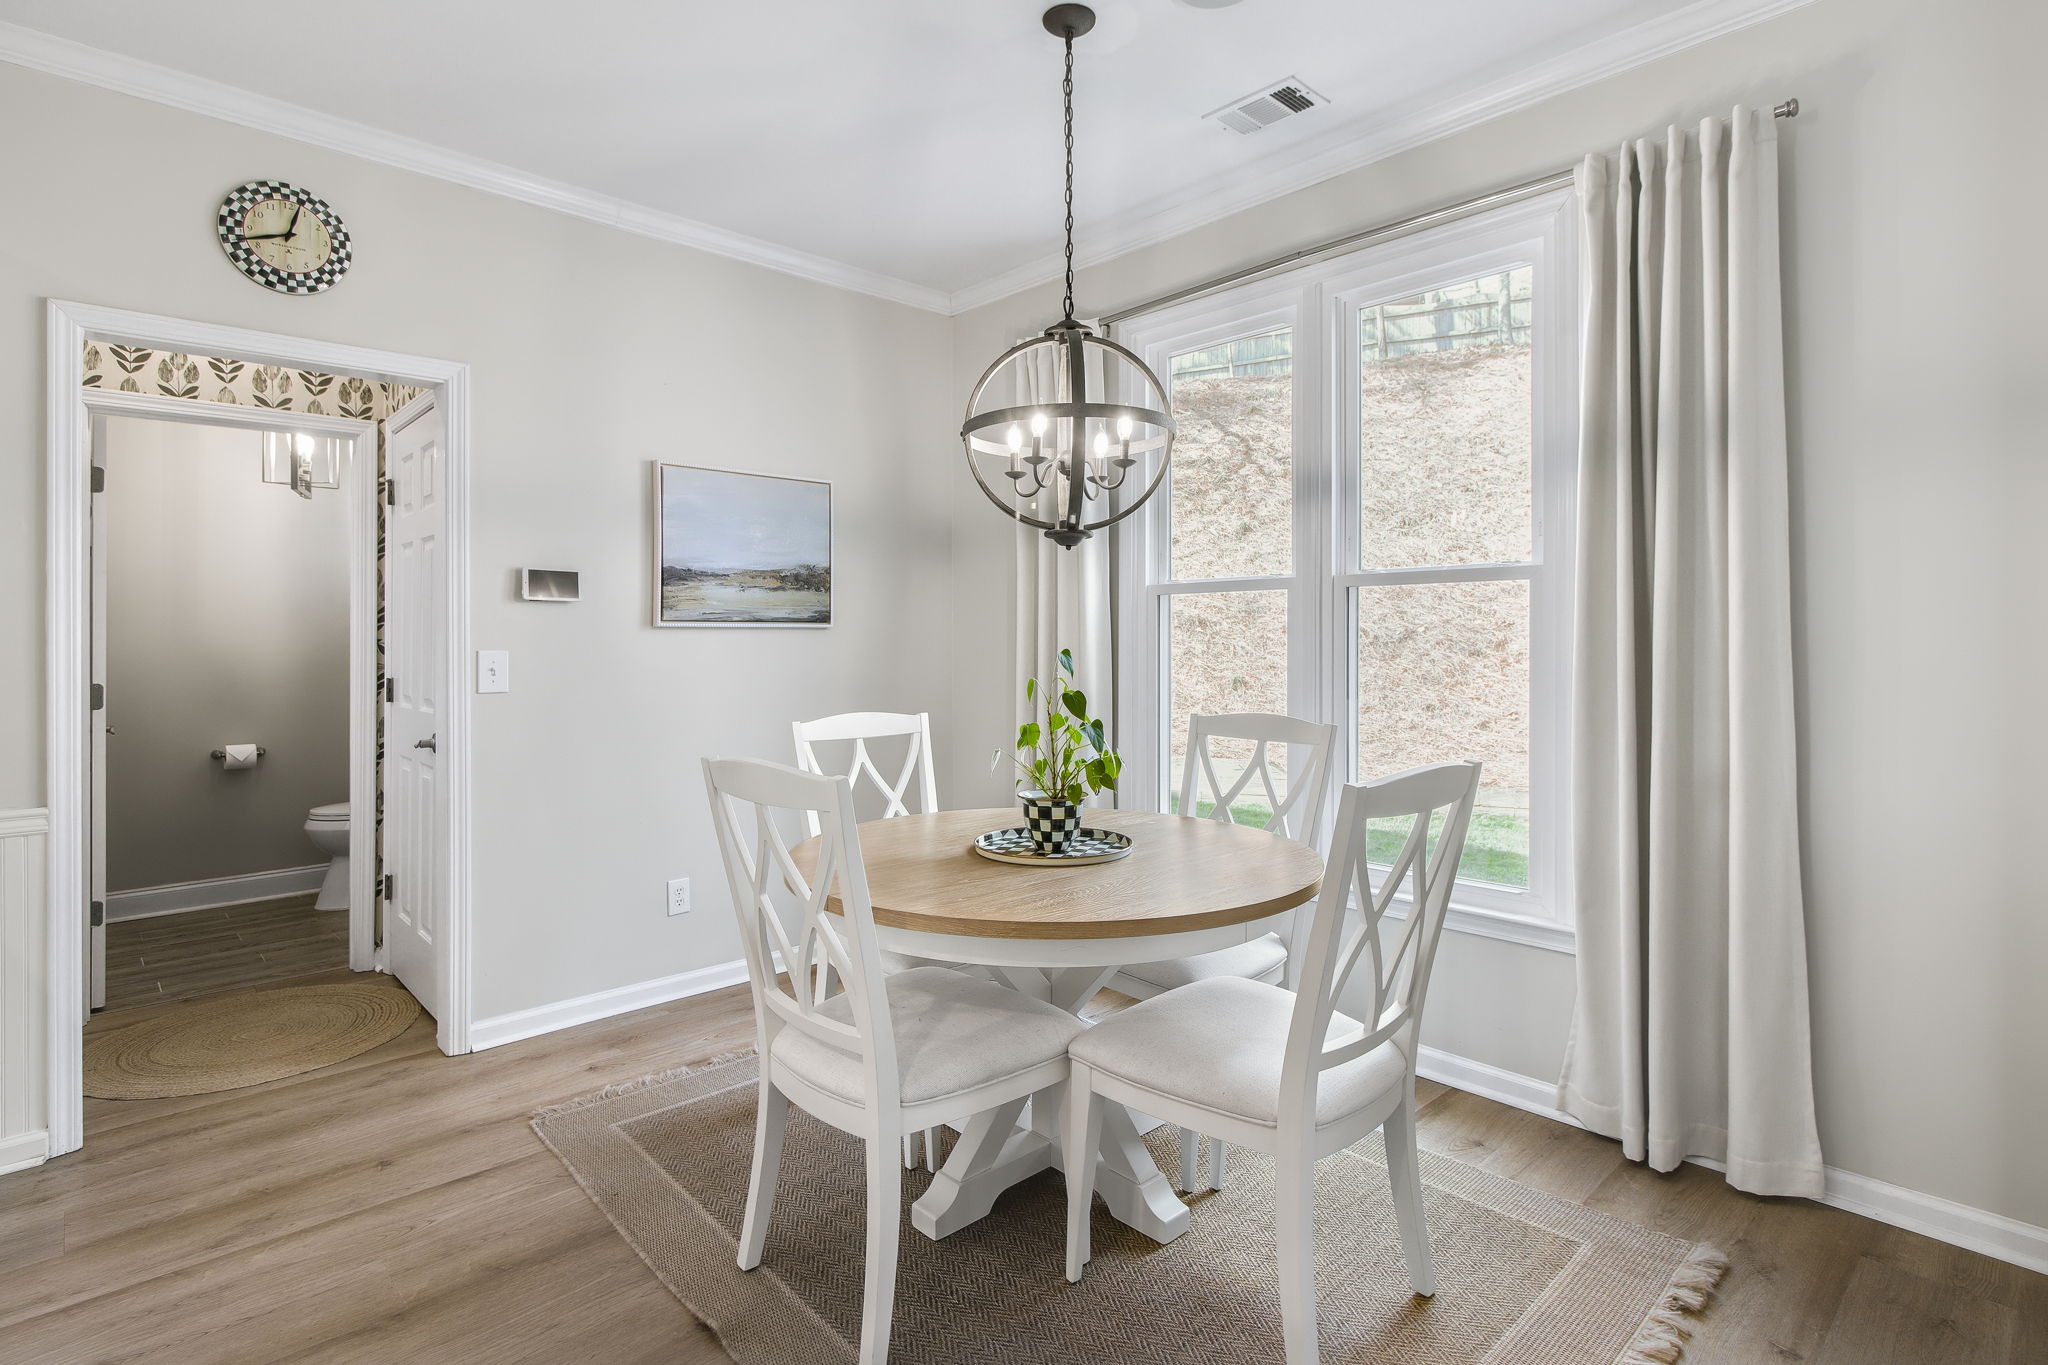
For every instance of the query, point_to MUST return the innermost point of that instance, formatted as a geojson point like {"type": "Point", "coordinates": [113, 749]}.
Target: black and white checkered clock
{"type": "Point", "coordinates": [232, 221]}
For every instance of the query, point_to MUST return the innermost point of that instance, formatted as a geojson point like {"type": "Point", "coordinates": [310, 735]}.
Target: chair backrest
{"type": "Point", "coordinates": [1436, 801]}
{"type": "Point", "coordinates": [783, 917]}
{"type": "Point", "coordinates": [1299, 813]}
{"type": "Point", "coordinates": [861, 727]}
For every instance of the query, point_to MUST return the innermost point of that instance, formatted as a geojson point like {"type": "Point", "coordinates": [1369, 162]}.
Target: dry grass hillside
{"type": "Point", "coordinates": [1443, 669]}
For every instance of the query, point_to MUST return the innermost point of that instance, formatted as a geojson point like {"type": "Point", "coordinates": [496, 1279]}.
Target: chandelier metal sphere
{"type": "Point", "coordinates": [1068, 432]}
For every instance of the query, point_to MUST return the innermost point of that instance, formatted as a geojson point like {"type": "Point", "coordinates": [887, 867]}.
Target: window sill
{"type": "Point", "coordinates": [1480, 923]}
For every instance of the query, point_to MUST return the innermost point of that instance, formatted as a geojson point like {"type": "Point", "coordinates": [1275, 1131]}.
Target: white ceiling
{"type": "Point", "coordinates": [908, 147]}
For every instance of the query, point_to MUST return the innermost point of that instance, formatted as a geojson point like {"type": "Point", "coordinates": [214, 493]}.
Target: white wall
{"type": "Point", "coordinates": [227, 621]}
{"type": "Point", "coordinates": [593, 352]}
{"type": "Point", "coordinates": [1913, 209]}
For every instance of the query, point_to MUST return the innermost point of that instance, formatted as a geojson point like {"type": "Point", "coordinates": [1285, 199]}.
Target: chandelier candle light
{"type": "Point", "coordinates": [1082, 450]}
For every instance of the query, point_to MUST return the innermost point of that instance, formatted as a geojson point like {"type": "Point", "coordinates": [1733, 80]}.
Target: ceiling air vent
{"type": "Point", "coordinates": [1266, 107]}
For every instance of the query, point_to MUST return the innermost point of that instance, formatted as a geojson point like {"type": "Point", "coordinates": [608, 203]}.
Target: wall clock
{"type": "Point", "coordinates": [283, 237]}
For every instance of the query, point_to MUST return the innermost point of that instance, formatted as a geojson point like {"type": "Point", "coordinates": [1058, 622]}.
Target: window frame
{"type": "Point", "coordinates": [1321, 303]}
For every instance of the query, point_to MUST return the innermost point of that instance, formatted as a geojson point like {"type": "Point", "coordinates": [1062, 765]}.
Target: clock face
{"type": "Point", "coordinates": [283, 237]}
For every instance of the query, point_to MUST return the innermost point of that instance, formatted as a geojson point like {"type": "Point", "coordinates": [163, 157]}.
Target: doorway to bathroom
{"type": "Point", "coordinates": [389, 432]}
{"type": "Point", "coordinates": [234, 585]}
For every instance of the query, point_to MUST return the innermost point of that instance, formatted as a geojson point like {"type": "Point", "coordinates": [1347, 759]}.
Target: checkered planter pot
{"type": "Point", "coordinates": [1052, 823]}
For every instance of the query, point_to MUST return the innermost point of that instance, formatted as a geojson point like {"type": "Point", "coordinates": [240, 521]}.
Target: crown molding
{"type": "Point", "coordinates": [1351, 146]}
{"type": "Point", "coordinates": [1342, 149]}
{"type": "Point", "coordinates": [145, 80]}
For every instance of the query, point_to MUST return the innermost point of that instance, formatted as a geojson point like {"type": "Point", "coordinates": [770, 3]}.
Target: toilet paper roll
{"type": "Point", "coordinates": [238, 756]}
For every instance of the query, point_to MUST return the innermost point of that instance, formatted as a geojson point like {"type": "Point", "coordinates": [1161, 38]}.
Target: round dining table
{"type": "Point", "coordinates": [1059, 933]}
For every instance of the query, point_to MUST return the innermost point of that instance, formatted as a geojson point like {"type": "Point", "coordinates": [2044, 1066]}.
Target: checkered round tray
{"type": "Point", "coordinates": [1085, 846]}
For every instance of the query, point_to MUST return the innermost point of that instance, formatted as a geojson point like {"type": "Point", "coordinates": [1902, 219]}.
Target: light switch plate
{"type": "Point", "coordinates": [494, 670]}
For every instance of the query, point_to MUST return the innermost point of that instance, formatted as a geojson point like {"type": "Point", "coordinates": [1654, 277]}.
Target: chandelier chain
{"type": "Point", "coordinates": [1067, 97]}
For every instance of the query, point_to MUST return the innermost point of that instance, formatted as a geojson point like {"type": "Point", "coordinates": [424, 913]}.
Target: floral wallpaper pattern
{"type": "Point", "coordinates": [216, 379]}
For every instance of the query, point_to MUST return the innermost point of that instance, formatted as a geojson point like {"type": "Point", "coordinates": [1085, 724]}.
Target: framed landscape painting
{"type": "Point", "coordinates": [739, 549]}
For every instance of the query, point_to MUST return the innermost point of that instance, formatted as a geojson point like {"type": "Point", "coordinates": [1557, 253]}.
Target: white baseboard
{"type": "Point", "coordinates": [1492, 1083]}
{"type": "Point", "coordinates": [510, 1028]}
{"type": "Point", "coordinates": [23, 1150]}
{"type": "Point", "coordinates": [178, 897]}
{"type": "Point", "coordinates": [1992, 1234]}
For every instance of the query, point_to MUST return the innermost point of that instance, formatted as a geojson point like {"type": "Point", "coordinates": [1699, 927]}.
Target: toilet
{"type": "Point", "coordinates": [327, 827]}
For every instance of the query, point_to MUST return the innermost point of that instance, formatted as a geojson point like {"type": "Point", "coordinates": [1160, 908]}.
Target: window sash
{"type": "Point", "coordinates": [1321, 303]}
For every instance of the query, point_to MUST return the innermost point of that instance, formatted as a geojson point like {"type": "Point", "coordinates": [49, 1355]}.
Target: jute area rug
{"type": "Point", "coordinates": [244, 1039]}
{"type": "Point", "coordinates": [1523, 1277]}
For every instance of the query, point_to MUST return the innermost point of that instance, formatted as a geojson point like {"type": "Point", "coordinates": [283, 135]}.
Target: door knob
{"type": "Point", "coordinates": [427, 743]}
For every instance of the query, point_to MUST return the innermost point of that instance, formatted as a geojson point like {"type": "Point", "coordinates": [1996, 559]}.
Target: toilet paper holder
{"type": "Point", "coordinates": [223, 753]}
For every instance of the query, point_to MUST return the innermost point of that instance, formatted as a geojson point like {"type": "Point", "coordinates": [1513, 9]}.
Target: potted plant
{"type": "Point", "coordinates": [1062, 759]}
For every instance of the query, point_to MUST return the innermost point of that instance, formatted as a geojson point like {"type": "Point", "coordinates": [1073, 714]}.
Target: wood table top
{"type": "Point", "coordinates": [1183, 874]}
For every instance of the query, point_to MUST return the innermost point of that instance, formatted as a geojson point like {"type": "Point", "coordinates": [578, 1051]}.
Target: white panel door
{"type": "Point", "coordinates": [415, 663]}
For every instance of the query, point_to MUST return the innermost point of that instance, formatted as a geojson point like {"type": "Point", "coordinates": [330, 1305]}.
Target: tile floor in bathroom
{"type": "Point", "coordinates": [175, 957]}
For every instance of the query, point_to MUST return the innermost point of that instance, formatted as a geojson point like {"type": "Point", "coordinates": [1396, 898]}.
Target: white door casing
{"type": "Point", "coordinates": [415, 709]}
{"type": "Point", "coordinates": [69, 409]}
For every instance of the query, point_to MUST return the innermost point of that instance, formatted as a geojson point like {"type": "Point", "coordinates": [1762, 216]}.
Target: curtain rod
{"type": "Point", "coordinates": [1385, 232]}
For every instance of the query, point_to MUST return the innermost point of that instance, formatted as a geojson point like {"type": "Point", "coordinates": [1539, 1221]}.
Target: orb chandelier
{"type": "Point", "coordinates": [1068, 432]}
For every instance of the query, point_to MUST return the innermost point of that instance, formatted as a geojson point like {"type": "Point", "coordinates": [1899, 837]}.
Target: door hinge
{"type": "Point", "coordinates": [99, 913]}
{"type": "Point", "coordinates": [99, 478]}
{"type": "Point", "coordinates": [390, 886]}
{"type": "Point", "coordinates": [99, 696]}
{"type": "Point", "coordinates": [391, 689]}
{"type": "Point", "coordinates": [391, 492]}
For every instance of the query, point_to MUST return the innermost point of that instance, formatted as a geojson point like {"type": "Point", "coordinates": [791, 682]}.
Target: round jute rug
{"type": "Point", "coordinates": [241, 1040]}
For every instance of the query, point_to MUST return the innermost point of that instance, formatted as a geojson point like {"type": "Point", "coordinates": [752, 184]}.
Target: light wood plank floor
{"type": "Point", "coordinates": [199, 952]}
{"type": "Point", "coordinates": [397, 1208]}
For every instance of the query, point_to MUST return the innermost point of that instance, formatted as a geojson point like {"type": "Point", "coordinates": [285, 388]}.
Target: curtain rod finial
{"type": "Point", "coordinates": [1789, 109]}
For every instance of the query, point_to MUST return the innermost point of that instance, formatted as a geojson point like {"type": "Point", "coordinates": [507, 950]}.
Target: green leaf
{"type": "Point", "coordinates": [1027, 734]}
{"type": "Point", "coordinates": [1031, 689]}
{"type": "Point", "coordinates": [1077, 704]}
{"type": "Point", "coordinates": [1067, 662]}
{"type": "Point", "coordinates": [1096, 739]}
{"type": "Point", "coordinates": [1098, 777]}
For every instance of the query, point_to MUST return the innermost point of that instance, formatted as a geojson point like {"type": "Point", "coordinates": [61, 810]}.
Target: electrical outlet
{"type": "Point", "coordinates": [679, 896]}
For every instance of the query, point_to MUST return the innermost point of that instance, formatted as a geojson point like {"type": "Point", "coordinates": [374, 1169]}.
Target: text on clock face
{"type": "Point", "coordinates": [286, 234]}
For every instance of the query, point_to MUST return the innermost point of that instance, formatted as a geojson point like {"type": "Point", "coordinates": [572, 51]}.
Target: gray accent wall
{"type": "Point", "coordinates": [227, 621]}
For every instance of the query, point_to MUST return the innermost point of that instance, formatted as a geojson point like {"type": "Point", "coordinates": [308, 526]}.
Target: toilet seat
{"type": "Point", "coordinates": [336, 813]}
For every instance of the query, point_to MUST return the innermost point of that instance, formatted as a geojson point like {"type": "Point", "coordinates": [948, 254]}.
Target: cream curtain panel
{"type": "Point", "coordinates": [1691, 1035]}
{"type": "Point", "coordinates": [1062, 595]}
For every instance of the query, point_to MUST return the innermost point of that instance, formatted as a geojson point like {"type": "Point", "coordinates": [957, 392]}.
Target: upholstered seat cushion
{"type": "Point", "coordinates": [953, 1034]}
{"type": "Point", "coordinates": [1262, 959]}
{"type": "Point", "coordinates": [1220, 1044]}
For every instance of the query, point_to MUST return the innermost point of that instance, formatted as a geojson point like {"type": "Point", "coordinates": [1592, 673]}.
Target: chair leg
{"type": "Point", "coordinates": [885, 1215]}
{"type": "Point", "coordinates": [1295, 1223]}
{"type": "Point", "coordinates": [771, 1115]}
{"type": "Point", "coordinates": [1080, 1140]}
{"type": "Point", "coordinates": [1219, 1152]}
{"type": "Point", "coordinates": [1406, 1179]}
{"type": "Point", "coordinates": [1190, 1149]}
{"type": "Point", "coordinates": [931, 1149]}
{"type": "Point", "coordinates": [910, 1151]}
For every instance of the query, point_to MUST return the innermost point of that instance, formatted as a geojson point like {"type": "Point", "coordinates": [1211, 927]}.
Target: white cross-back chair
{"type": "Point", "coordinates": [872, 1054]}
{"type": "Point", "coordinates": [1297, 813]}
{"type": "Point", "coordinates": [860, 728]}
{"type": "Point", "coordinates": [1285, 1072]}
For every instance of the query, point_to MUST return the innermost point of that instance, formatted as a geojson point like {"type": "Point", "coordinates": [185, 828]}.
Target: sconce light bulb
{"type": "Point", "coordinates": [1038, 424]}
{"type": "Point", "coordinates": [1123, 428]}
{"type": "Point", "coordinates": [1101, 443]}
{"type": "Point", "coordinates": [1016, 437]}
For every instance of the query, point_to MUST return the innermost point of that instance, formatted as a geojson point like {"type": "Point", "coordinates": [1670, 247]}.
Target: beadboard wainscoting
{"type": "Point", "coordinates": [24, 1119]}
